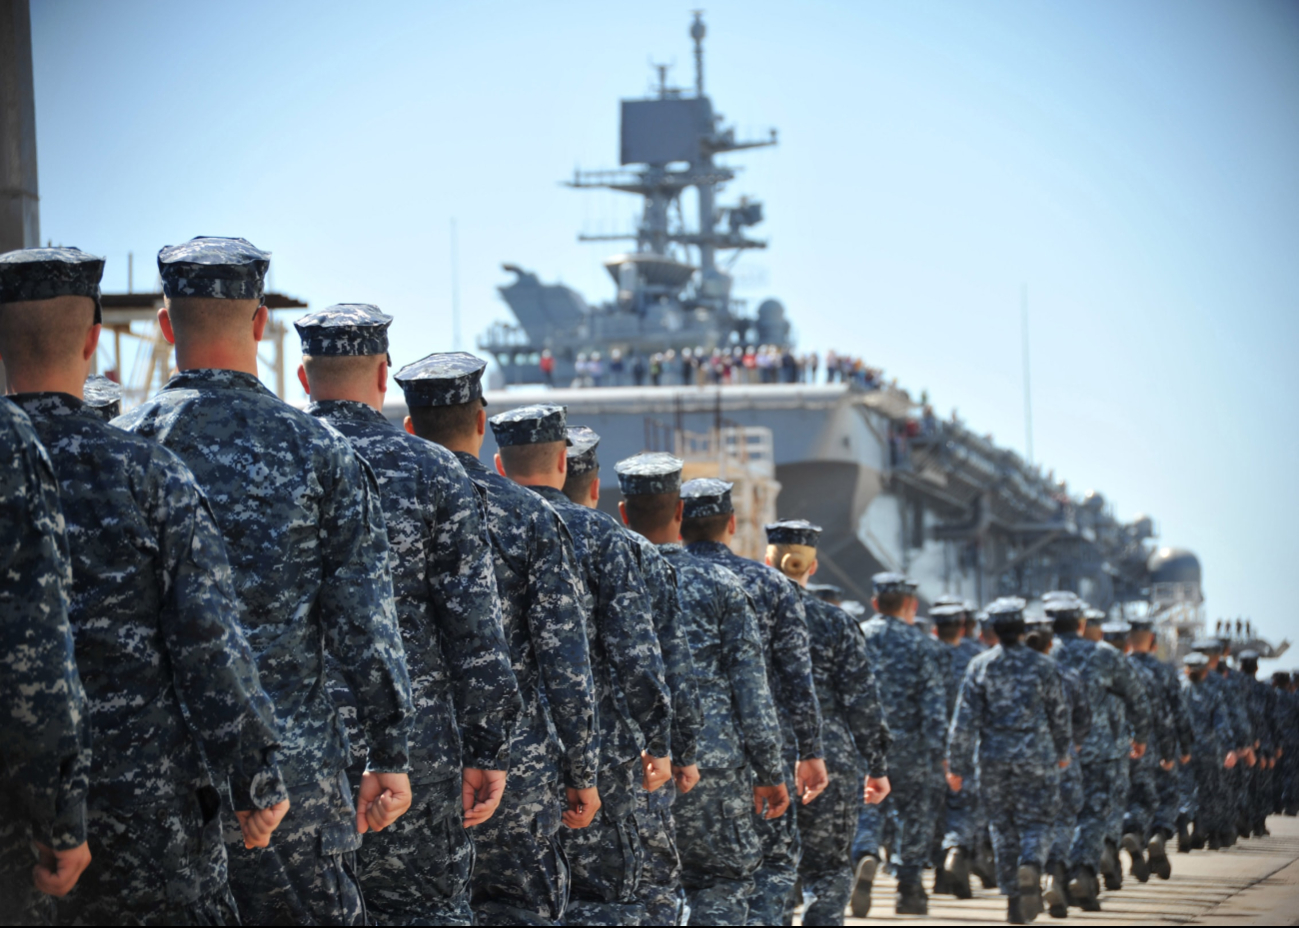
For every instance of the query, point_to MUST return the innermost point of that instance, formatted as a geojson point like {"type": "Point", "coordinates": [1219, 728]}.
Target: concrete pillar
{"type": "Point", "coordinates": [20, 220]}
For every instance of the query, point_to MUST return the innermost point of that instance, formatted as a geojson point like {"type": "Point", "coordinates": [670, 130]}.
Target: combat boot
{"type": "Point", "coordinates": [1056, 895]}
{"type": "Point", "coordinates": [1015, 911]}
{"type": "Point", "coordinates": [1157, 855]}
{"type": "Point", "coordinates": [984, 867]}
{"type": "Point", "coordinates": [912, 899]}
{"type": "Point", "coordinates": [1083, 889]}
{"type": "Point", "coordinates": [1183, 835]}
{"type": "Point", "coordinates": [1029, 883]}
{"type": "Point", "coordinates": [861, 890]}
{"type": "Point", "coordinates": [1111, 869]}
{"type": "Point", "coordinates": [1198, 837]}
{"type": "Point", "coordinates": [1229, 837]}
{"type": "Point", "coordinates": [1214, 841]}
{"type": "Point", "coordinates": [957, 868]}
{"type": "Point", "coordinates": [942, 880]}
{"type": "Point", "coordinates": [1139, 869]}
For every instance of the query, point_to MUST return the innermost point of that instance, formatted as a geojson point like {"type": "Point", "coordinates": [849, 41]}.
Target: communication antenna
{"type": "Point", "coordinates": [1028, 388]}
{"type": "Point", "coordinates": [455, 291]}
{"type": "Point", "coordinates": [697, 32]}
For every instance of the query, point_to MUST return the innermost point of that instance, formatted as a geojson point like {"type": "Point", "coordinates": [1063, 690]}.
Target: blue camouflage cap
{"type": "Point", "coordinates": [1207, 645]}
{"type": "Point", "coordinates": [1249, 654]}
{"type": "Point", "coordinates": [649, 473]}
{"type": "Point", "coordinates": [444, 378]}
{"type": "Point", "coordinates": [103, 396]}
{"type": "Point", "coordinates": [1094, 616]}
{"type": "Point", "coordinates": [1008, 610]}
{"type": "Point", "coordinates": [826, 591]}
{"type": "Point", "coordinates": [947, 613]}
{"type": "Point", "coordinates": [1142, 625]}
{"type": "Point", "coordinates": [582, 442]}
{"type": "Point", "coordinates": [793, 532]}
{"type": "Point", "coordinates": [530, 425]}
{"type": "Point", "coordinates": [706, 496]}
{"type": "Point", "coordinates": [890, 582]}
{"type": "Point", "coordinates": [1116, 629]}
{"type": "Point", "coordinates": [214, 267]}
{"type": "Point", "coordinates": [1062, 604]}
{"type": "Point", "coordinates": [1196, 661]}
{"type": "Point", "coordinates": [344, 330]}
{"type": "Point", "coordinates": [32, 274]}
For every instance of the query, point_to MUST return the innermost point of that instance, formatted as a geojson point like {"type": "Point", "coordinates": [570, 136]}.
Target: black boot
{"type": "Point", "coordinates": [957, 868]}
{"type": "Point", "coordinates": [1229, 837]}
{"type": "Point", "coordinates": [1111, 869]}
{"type": "Point", "coordinates": [942, 880]}
{"type": "Point", "coordinates": [1183, 836]}
{"type": "Point", "coordinates": [1056, 895]}
{"type": "Point", "coordinates": [1029, 883]}
{"type": "Point", "coordinates": [984, 868]}
{"type": "Point", "coordinates": [1137, 854]}
{"type": "Point", "coordinates": [1214, 841]}
{"type": "Point", "coordinates": [912, 899]}
{"type": "Point", "coordinates": [1083, 889]}
{"type": "Point", "coordinates": [1157, 855]}
{"type": "Point", "coordinates": [1015, 911]}
{"type": "Point", "coordinates": [861, 891]}
{"type": "Point", "coordinates": [1199, 837]}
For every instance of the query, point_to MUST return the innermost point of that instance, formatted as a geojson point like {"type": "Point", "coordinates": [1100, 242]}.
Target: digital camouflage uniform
{"type": "Point", "coordinates": [1167, 788]}
{"type": "Point", "coordinates": [1071, 778]}
{"type": "Point", "coordinates": [1203, 779]}
{"type": "Point", "coordinates": [1217, 801]}
{"type": "Point", "coordinates": [856, 741]}
{"type": "Point", "coordinates": [305, 535]}
{"type": "Point", "coordinates": [913, 695]}
{"type": "Point", "coordinates": [783, 626]}
{"type": "Point", "coordinates": [171, 687]}
{"type": "Point", "coordinates": [521, 876]}
{"type": "Point", "coordinates": [962, 809]}
{"type": "Point", "coordinates": [1013, 721]}
{"type": "Point", "coordinates": [1261, 699]}
{"type": "Point", "coordinates": [1143, 790]}
{"type": "Point", "coordinates": [738, 744]}
{"type": "Point", "coordinates": [44, 740]}
{"type": "Point", "coordinates": [417, 870]}
{"type": "Point", "coordinates": [1249, 728]}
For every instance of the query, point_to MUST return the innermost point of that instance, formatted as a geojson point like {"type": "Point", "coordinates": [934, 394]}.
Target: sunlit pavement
{"type": "Point", "coordinates": [1254, 883]}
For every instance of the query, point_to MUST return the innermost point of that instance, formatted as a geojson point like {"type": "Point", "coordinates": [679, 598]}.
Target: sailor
{"type": "Point", "coordinates": [913, 694]}
{"type": "Point", "coordinates": [43, 848]}
{"type": "Point", "coordinates": [708, 529]}
{"type": "Point", "coordinates": [1013, 718]}
{"type": "Point", "coordinates": [660, 880]}
{"type": "Point", "coordinates": [635, 715]}
{"type": "Point", "coordinates": [948, 619]}
{"type": "Point", "coordinates": [1286, 723]}
{"type": "Point", "coordinates": [1262, 705]}
{"type": "Point", "coordinates": [852, 731]}
{"type": "Point", "coordinates": [444, 586]}
{"type": "Point", "coordinates": [172, 693]}
{"type": "Point", "coordinates": [1104, 673]}
{"type": "Point", "coordinates": [740, 735]}
{"type": "Point", "coordinates": [1248, 723]}
{"type": "Point", "coordinates": [102, 397]}
{"type": "Point", "coordinates": [1219, 797]}
{"type": "Point", "coordinates": [302, 523]}
{"type": "Point", "coordinates": [826, 592]}
{"type": "Point", "coordinates": [521, 876]}
{"type": "Point", "coordinates": [1204, 780]}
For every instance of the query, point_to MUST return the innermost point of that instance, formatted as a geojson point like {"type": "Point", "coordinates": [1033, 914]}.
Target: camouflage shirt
{"type": "Point", "coordinates": [665, 608]}
{"type": "Point", "coordinates": [911, 687]}
{"type": "Point", "coordinates": [1080, 707]}
{"type": "Point", "coordinates": [444, 586]}
{"type": "Point", "coordinates": [1104, 673]}
{"type": "Point", "coordinates": [45, 749]}
{"type": "Point", "coordinates": [304, 532]}
{"type": "Point", "coordinates": [721, 628]}
{"type": "Point", "coordinates": [635, 713]}
{"type": "Point", "coordinates": [1215, 732]}
{"type": "Point", "coordinates": [784, 641]}
{"type": "Point", "coordinates": [1163, 732]}
{"type": "Point", "coordinates": [543, 606]}
{"type": "Point", "coordinates": [1011, 709]}
{"type": "Point", "coordinates": [852, 720]}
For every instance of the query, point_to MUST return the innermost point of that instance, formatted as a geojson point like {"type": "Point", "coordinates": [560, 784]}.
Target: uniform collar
{"type": "Point", "coordinates": [215, 378]}
{"type": "Point", "coordinates": [707, 547]}
{"type": "Point", "coordinates": [674, 547]}
{"type": "Point", "coordinates": [48, 404]}
{"type": "Point", "coordinates": [347, 409]}
{"type": "Point", "coordinates": [470, 462]}
{"type": "Point", "coordinates": [550, 494]}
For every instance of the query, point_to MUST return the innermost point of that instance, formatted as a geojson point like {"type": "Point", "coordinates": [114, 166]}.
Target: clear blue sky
{"type": "Point", "coordinates": [1135, 164]}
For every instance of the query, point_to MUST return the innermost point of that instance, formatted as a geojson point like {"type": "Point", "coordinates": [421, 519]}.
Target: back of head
{"type": "Point", "coordinates": [49, 300]}
{"type": "Point", "coordinates": [892, 592]}
{"type": "Point", "coordinates": [707, 510]}
{"type": "Point", "coordinates": [583, 464]}
{"type": "Point", "coordinates": [791, 546]}
{"type": "Point", "coordinates": [651, 487]}
{"type": "Point", "coordinates": [214, 287]}
{"type": "Point", "coordinates": [444, 395]}
{"type": "Point", "coordinates": [523, 461]}
{"type": "Point", "coordinates": [531, 440]}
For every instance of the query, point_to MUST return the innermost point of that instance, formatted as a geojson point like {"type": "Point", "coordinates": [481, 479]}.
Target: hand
{"type": "Point", "coordinates": [1166, 764]}
{"type": "Point", "coordinates": [257, 824]}
{"type": "Point", "coordinates": [1063, 763]}
{"type": "Point", "coordinates": [776, 799]}
{"type": "Point", "coordinates": [1230, 760]}
{"type": "Point", "coordinates": [582, 806]}
{"type": "Point", "coordinates": [480, 794]}
{"type": "Point", "coordinates": [877, 788]}
{"type": "Point", "coordinates": [810, 779]}
{"type": "Point", "coordinates": [686, 777]}
{"type": "Point", "coordinates": [1248, 756]}
{"type": "Point", "coordinates": [57, 872]}
{"type": "Point", "coordinates": [383, 798]}
{"type": "Point", "coordinates": [657, 771]}
{"type": "Point", "coordinates": [1138, 751]}
{"type": "Point", "coordinates": [954, 783]}
{"type": "Point", "coordinates": [1186, 759]}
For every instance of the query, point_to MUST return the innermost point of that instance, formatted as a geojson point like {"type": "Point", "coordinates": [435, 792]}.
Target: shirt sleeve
{"type": "Point", "coordinates": [746, 668]}
{"type": "Point", "coordinates": [678, 666]}
{"type": "Point", "coordinates": [859, 700]}
{"type": "Point", "coordinates": [792, 661]}
{"type": "Point", "coordinates": [963, 733]}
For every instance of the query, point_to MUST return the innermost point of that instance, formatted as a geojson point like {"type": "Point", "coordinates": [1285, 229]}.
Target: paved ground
{"type": "Point", "coordinates": [1254, 883]}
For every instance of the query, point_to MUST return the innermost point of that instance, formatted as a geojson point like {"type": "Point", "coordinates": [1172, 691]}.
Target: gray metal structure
{"type": "Point", "coordinates": [673, 289]}
{"type": "Point", "coordinates": [20, 218]}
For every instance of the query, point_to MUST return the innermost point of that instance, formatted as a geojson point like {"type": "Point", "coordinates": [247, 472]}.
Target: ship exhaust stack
{"type": "Point", "coordinates": [20, 220]}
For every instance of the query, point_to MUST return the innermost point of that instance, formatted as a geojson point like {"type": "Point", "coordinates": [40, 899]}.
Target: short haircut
{"type": "Point", "coordinates": [1064, 625]}
{"type": "Point", "coordinates": [45, 332]}
{"type": "Point", "coordinates": [651, 512]}
{"type": "Point", "coordinates": [446, 425]}
{"type": "Point", "coordinates": [529, 460]}
{"type": "Point", "coordinates": [577, 487]}
{"type": "Point", "coordinates": [1010, 635]}
{"type": "Point", "coordinates": [705, 528]}
{"type": "Point", "coordinates": [335, 370]}
{"type": "Point", "coordinates": [1039, 641]}
{"type": "Point", "coordinates": [892, 601]}
{"type": "Point", "coordinates": [204, 317]}
{"type": "Point", "coordinates": [949, 631]}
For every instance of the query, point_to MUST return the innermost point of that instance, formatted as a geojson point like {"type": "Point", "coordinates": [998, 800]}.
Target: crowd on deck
{"type": "Point", "coordinates": [716, 367]}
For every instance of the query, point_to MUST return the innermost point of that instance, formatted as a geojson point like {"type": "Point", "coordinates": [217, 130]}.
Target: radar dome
{"type": "Point", "coordinates": [1173, 565]}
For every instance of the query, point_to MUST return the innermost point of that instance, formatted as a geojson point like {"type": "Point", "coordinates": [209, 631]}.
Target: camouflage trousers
{"type": "Point", "coordinates": [1021, 800]}
{"type": "Point", "coordinates": [1143, 797]}
{"type": "Point", "coordinates": [1119, 790]}
{"type": "Point", "coordinates": [1205, 799]}
{"type": "Point", "coordinates": [308, 874]}
{"type": "Point", "coordinates": [772, 902]}
{"type": "Point", "coordinates": [521, 874]}
{"type": "Point", "coordinates": [607, 857]}
{"type": "Point", "coordinates": [904, 821]}
{"type": "Point", "coordinates": [156, 864]}
{"type": "Point", "coordinates": [416, 871]}
{"type": "Point", "coordinates": [1098, 792]}
{"type": "Point", "coordinates": [719, 846]}
{"type": "Point", "coordinates": [825, 828]}
{"type": "Point", "coordinates": [660, 883]}
{"type": "Point", "coordinates": [1258, 795]}
{"type": "Point", "coordinates": [1168, 799]}
{"type": "Point", "coordinates": [1066, 818]}
{"type": "Point", "coordinates": [960, 817]}
{"type": "Point", "coordinates": [20, 902]}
